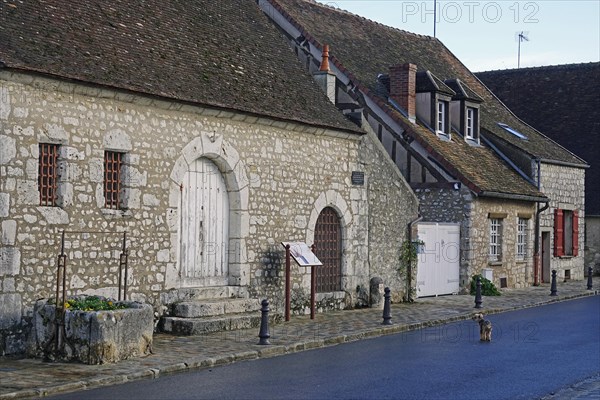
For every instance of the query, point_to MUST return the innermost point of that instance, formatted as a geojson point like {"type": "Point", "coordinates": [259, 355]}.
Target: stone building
{"type": "Point", "coordinates": [198, 147]}
{"type": "Point", "coordinates": [473, 164]}
{"type": "Point", "coordinates": [562, 101]}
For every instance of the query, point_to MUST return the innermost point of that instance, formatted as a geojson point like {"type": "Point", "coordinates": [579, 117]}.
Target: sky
{"type": "Point", "coordinates": [484, 35]}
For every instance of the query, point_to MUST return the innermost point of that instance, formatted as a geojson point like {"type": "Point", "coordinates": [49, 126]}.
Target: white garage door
{"type": "Point", "coordinates": [438, 260]}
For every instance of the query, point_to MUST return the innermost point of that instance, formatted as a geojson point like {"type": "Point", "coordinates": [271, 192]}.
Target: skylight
{"type": "Point", "coordinates": [513, 131]}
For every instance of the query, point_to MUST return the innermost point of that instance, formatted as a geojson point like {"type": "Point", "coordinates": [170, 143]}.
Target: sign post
{"type": "Point", "coordinates": [303, 255]}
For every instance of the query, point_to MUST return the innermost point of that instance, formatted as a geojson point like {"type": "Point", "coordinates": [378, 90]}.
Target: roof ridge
{"type": "Point", "coordinates": [540, 67]}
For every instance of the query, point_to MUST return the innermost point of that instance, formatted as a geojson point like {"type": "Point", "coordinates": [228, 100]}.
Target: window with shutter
{"type": "Point", "coordinates": [558, 233]}
{"type": "Point", "coordinates": [575, 233]}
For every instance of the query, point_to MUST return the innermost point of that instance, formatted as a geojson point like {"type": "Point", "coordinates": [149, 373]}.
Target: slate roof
{"type": "Point", "coordinates": [563, 101]}
{"type": "Point", "coordinates": [219, 53]}
{"type": "Point", "coordinates": [364, 49]}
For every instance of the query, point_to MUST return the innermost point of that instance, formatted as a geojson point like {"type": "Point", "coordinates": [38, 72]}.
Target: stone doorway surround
{"type": "Point", "coordinates": [212, 145]}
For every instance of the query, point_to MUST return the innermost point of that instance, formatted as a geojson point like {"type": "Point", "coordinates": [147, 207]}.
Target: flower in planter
{"type": "Point", "coordinates": [93, 303]}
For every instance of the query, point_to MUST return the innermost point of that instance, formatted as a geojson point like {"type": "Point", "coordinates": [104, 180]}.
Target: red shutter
{"type": "Point", "coordinates": [559, 239]}
{"type": "Point", "coordinates": [575, 233]}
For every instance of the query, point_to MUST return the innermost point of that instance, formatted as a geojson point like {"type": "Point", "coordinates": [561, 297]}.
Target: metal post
{"type": "Point", "coordinates": [387, 311]}
{"type": "Point", "coordinates": [287, 282]}
{"type": "Point", "coordinates": [589, 282]}
{"type": "Point", "coordinates": [478, 299]}
{"type": "Point", "coordinates": [553, 284]}
{"type": "Point", "coordinates": [313, 286]}
{"type": "Point", "coordinates": [264, 324]}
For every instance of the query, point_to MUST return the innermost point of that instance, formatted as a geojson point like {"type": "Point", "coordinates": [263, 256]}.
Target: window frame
{"type": "Point", "coordinates": [48, 164]}
{"type": "Point", "coordinates": [522, 227]}
{"type": "Point", "coordinates": [113, 179]}
{"type": "Point", "coordinates": [442, 112]}
{"type": "Point", "coordinates": [495, 243]}
{"type": "Point", "coordinates": [471, 131]}
{"type": "Point", "coordinates": [566, 232]}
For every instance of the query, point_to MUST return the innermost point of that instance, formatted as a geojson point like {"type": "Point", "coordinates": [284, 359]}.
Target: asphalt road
{"type": "Point", "coordinates": [533, 352]}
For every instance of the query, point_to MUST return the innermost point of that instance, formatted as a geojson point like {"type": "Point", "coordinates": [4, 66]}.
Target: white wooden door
{"type": "Point", "coordinates": [438, 266]}
{"type": "Point", "coordinates": [204, 226]}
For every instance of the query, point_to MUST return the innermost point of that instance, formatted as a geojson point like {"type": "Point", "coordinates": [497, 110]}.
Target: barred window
{"type": "Point", "coordinates": [113, 161]}
{"type": "Point", "coordinates": [48, 174]}
{"type": "Point", "coordinates": [522, 238]}
{"type": "Point", "coordinates": [495, 239]}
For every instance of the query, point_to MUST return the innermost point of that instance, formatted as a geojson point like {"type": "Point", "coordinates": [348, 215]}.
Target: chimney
{"type": "Point", "coordinates": [403, 80]}
{"type": "Point", "coordinates": [324, 77]}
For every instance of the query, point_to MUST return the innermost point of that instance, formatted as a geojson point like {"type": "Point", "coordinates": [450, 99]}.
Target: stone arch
{"type": "Point", "coordinates": [335, 200]}
{"type": "Point", "coordinates": [212, 146]}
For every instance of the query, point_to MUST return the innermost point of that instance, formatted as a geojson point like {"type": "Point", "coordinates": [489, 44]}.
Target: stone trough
{"type": "Point", "coordinates": [92, 337]}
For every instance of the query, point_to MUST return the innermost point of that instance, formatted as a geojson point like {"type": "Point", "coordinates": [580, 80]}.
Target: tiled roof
{"type": "Point", "coordinates": [563, 101]}
{"type": "Point", "coordinates": [367, 48]}
{"type": "Point", "coordinates": [221, 53]}
{"type": "Point", "coordinates": [363, 49]}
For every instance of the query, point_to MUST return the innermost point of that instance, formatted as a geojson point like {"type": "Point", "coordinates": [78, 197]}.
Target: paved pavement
{"type": "Point", "coordinates": [30, 378]}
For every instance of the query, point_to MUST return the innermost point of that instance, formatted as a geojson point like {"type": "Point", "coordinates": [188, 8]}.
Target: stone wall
{"type": "Point", "coordinates": [279, 177]}
{"type": "Point", "coordinates": [592, 238]}
{"type": "Point", "coordinates": [565, 186]}
{"type": "Point", "coordinates": [517, 272]}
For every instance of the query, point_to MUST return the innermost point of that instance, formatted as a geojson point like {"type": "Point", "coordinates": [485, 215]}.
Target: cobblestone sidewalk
{"type": "Point", "coordinates": [30, 378]}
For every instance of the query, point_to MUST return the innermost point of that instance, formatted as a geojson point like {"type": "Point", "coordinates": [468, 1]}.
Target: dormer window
{"type": "Point", "coordinates": [442, 111]}
{"type": "Point", "coordinates": [471, 124]}
{"type": "Point", "coordinates": [465, 111]}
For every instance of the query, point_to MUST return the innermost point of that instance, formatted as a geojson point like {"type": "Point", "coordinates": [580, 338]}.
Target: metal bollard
{"type": "Point", "coordinates": [387, 312]}
{"type": "Point", "coordinates": [478, 299]}
{"type": "Point", "coordinates": [589, 282]}
{"type": "Point", "coordinates": [553, 284]}
{"type": "Point", "coordinates": [264, 324]}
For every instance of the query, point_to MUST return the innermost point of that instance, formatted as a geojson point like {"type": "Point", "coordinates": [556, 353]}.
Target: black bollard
{"type": "Point", "coordinates": [264, 324]}
{"type": "Point", "coordinates": [553, 284]}
{"type": "Point", "coordinates": [589, 283]}
{"type": "Point", "coordinates": [387, 312]}
{"type": "Point", "coordinates": [478, 299]}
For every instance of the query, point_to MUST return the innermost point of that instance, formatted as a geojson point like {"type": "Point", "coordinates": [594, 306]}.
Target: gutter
{"type": "Point", "coordinates": [409, 271]}
{"type": "Point", "coordinates": [563, 163]}
{"type": "Point", "coordinates": [536, 245]}
{"type": "Point", "coordinates": [523, 197]}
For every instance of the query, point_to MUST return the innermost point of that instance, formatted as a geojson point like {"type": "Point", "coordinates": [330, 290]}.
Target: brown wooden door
{"type": "Point", "coordinates": [328, 243]}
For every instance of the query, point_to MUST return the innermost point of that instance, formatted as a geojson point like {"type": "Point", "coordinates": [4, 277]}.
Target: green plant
{"type": "Point", "coordinates": [409, 253]}
{"type": "Point", "coordinates": [93, 303]}
{"type": "Point", "coordinates": [487, 287]}
{"type": "Point", "coordinates": [408, 257]}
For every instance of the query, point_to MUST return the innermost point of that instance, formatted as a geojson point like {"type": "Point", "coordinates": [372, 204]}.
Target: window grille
{"type": "Point", "coordinates": [113, 162]}
{"type": "Point", "coordinates": [495, 239]}
{"type": "Point", "coordinates": [48, 174]}
{"type": "Point", "coordinates": [522, 238]}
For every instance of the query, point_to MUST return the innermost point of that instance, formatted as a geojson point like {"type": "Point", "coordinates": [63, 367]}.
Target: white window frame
{"type": "Point", "coordinates": [441, 114]}
{"type": "Point", "coordinates": [522, 226]}
{"type": "Point", "coordinates": [495, 249]}
{"type": "Point", "coordinates": [470, 124]}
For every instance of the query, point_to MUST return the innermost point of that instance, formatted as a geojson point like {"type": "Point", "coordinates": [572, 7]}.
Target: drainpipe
{"type": "Point", "coordinates": [409, 267]}
{"type": "Point", "coordinates": [536, 241]}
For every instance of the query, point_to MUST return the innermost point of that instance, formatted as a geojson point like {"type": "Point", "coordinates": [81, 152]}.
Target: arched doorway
{"type": "Point", "coordinates": [204, 229]}
{"type": "Point", "coordinates": [328, 243]}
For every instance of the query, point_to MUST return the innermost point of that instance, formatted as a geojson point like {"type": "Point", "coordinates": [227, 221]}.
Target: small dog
{"type": "Point", "coordinates": [485, 328]}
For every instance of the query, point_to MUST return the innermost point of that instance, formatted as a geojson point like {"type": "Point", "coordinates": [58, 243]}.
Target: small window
{"type": "Point", "coordinates": [441, 116]}
{"type": "Point", "coordinates": [513, 131]}
{"type": "Point", "coordinates": [48, 174]}
{"type": "Point", "coordinates": [495, 239]}
{"type": "Point", "coordinates": [566, 233]}
{"type": "Point", "coordinates": [522, 238]}
{"type": "Point", "coordinates": [113, 162]}
{"type": "Point", "coordinates": [471, 124]}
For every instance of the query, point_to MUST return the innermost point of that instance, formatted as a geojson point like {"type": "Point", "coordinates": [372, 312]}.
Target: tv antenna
{"type": "Point", "coordinates": [521, 37]}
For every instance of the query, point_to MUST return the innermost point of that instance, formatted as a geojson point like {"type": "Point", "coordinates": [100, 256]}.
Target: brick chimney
{"type": "Point", "coordinates": [324, 77]}
{"type": "Point", "coordinates": [403, 80]}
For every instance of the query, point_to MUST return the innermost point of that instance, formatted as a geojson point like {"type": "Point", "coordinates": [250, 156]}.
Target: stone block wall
{"type": "Point", "coordinates": [565, 186]}
{"type": "Point", "coordinates": [279, 176]}
{"type": "Point", "coordinates": [517, 272]}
